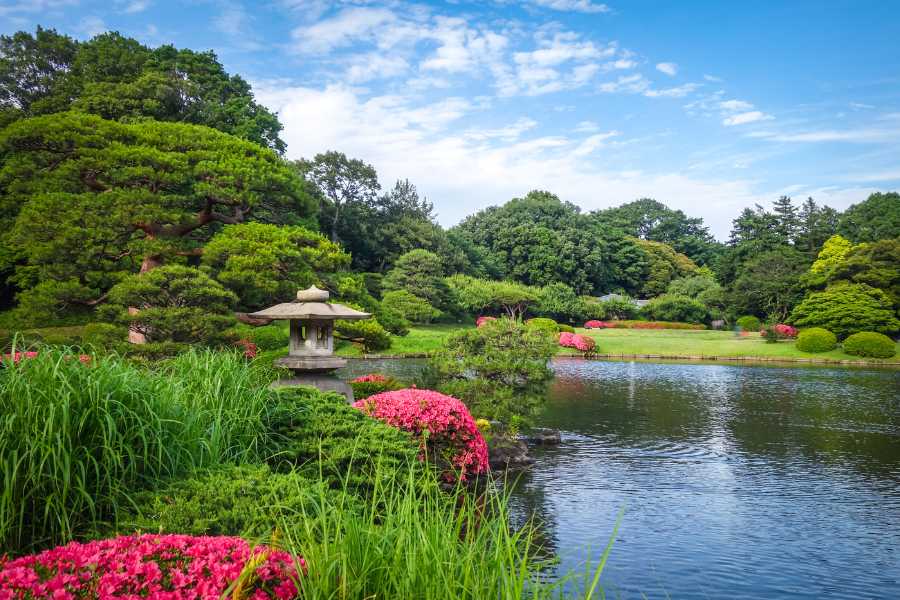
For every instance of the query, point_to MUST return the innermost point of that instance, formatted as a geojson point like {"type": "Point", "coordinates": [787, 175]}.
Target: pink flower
{"type": "Point", "coordinates": [250, 349]}
{"type": "Point", "coordinates": [442, 424]}
{"type": "Point", "coordinates": [594, 324]}
{"type": "Point", "coordinates": [583, 343]}
{"type": "Point", "coordinates": [150, 566]}
{"type": "Point", "coordinates": [370, 378]}
{"type": "Point", "coordinates": [482, 320]}
{"type": "Point", "coordinates": [566, 339]}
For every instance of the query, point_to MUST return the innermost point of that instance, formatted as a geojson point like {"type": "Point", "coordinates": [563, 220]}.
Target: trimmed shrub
{"type": "Point", "coordinates": [749, 323]}
{"type": "Point", "coordinates": [871, 344]}
{"type": "Point", "coordinates": [250, 501]}
{"type": "Point", "coordinates": [595, 324]}
{"type": "Point", "coordinates": [847, 308]}
{"type": "Point", "coordinates": [322, 437]}
{"type": "Point", "coordinates": [652, 325]}
{"type": "Point", "coordinates": [392, 321]}
{"type": "Point", "coordinates": [563, 328]}
{"type": "Point", "coordinates": [409, 306]}
{"type": "Point", "coordinates": [543, 323]}
{"type": "Point", "coordinates": [368, 333]}
{"type": "Point", "coordinates": [816, 339]}
{"type": "Point", "coordinates": [105, 336]}
{"type": "Point", "coordinates": [369, 385]}
{"type": "Point", "coordinates": [442, 425]}
{"type": "Point", "coordinates": [153, 566]}
{"type": "Point", "coordinates": [269, 337]}
{"type": "Point", "coordinates": [675, 308]}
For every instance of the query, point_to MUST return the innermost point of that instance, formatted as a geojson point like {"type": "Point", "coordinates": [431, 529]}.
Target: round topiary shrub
{"type": "Point", "coordinates": [749, 323]}
{"type": "Point", "coordinates": [543, 323]}
{"type": "Point", "coordinates": [443, 426]}
{"type": "Point", "coordinates": [816, 339]}
{"type": "Point", "coordinates": [563, 328]}
{"type": "Point", "coordinates": [870, 344]}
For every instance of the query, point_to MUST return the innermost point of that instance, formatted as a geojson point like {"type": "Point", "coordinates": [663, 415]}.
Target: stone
{"type": "Point", "coordinates": [507, 453]}
{"type": "Point", "coordinates": [541, 436]}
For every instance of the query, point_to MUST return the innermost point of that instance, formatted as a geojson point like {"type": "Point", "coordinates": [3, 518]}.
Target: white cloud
{"type": "Point", "coordinates": [855, 136]}
{"type": "Point", "coordinates": [674, 92]}
{"type": "Point", "coordinates": [508, 133]}
{"type": "Point", "coordinates": [669, 68]}
{"type": "Point", "coordinates": [735, 105]}
{"type": "Point", "coordinates": [713, 78]}
{"type": "Point", "coordinates": [583, 6]}
{"type": "Point", "coordinates": [91, 26]}
{"type": "Point", "coordinates": [629, 84]}
{"type": "Point", "coordinates": [751, 116]}
{"type": "Point", "coordinates": [375, 65]}
{"type": "Point", "coordinates": [341, 30]}
{"type": "Point", "coordinates": [34, 6]}
{"type": "Point", "coordinates": [586, 127]}
{"type": "Point", "coordinates": [861, 106]}
{"type": "Point", "coordinates": [131, 7]}
{"type": "Point", "coordinates": [620, 64]}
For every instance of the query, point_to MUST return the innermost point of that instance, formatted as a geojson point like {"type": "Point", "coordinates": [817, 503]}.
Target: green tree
{"type": "Point", "coordinates": [846, 308]}
{"type": "Point", "coordinates": [769, 284]}
{"type": "Point", "coordinates": [116, 77]}
{"type": "Point", "coordinates": [876, 264]}
{"type": "Point", "coordinates": [661, 265]}
{"type": "Point", "coordinates": [559, 302]}
{"type": "Point", "coordinates": [87, 201]}
{"type": "Point", "coordinates": [177, 304]}
{"type": "Point", "coordinates": [479, 296]}
{"type": "Point", "coordinates": [817, 224]}
{"type": "Point", "coordinates": [876, 218]}
{"type": "Point", "coordinates": [265, 264]}
{"type": "Point", "coordinates": [343, 183]}
{"type": "Point", "coordinates": [833, 253]}
{"type": "Point", "coordinates": [409, 306]}
{"type": "Point", "coordinates": [787, 218]}
{"type": "Point", "coordinates": [675, 308]}
{"type": "Point", "coordinates": [420, 272]}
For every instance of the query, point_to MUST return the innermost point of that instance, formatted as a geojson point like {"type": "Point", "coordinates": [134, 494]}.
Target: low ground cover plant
{"type": "Point", "coordinates": [870, 344]}
{"type": "Point", "coordinates": [154, 566]}
{"type": "Point", "coordinates": [816, 339]}
{"type": "Point", "coordinates": [371, 384]}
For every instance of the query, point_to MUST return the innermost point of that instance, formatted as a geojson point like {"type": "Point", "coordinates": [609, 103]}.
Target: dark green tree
{"type": "Point", "coordinates": [817, 224]}
{"type": "Point", "coordinates": [847, 308]}
{"type": "Point", "coordinates": [876, 264]}
{"type": "Point", "coordinates": [420, 272]}
{"type": "Point", "coordinates": [769, 284]}
{"type": "Point", "coordinates": [787, 219]}
{"type": "Point", "coordinates": [876, 218]}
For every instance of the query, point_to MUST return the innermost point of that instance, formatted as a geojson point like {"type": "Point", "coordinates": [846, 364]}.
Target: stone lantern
{"type": "Point", "coordinates": [310, 353]}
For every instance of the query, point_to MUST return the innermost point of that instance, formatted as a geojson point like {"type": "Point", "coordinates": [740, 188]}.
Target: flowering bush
{"type": "Point", "coordinates": [446, 431]}
{"type": "Point", "coordinates": [152, 566]}
{"type": "Point", "coordinates": [779, 331]}
{"type": "Point", "coordinates": [482, 320]}
{"type": "Point", "coordinates": [370, 378]}
{"type": "Point", "coordinates": [371, 384]}
{"type": "Point", "coordinates": [17, 357]}
{"type": "Point", "coordinates": [566, 339]}
{"type": "Point", "coordinates": [584, 344]}
{"type": "Point", "coordinates": [249, 347]}
{"type": "Point", "coordinates": [595, 324]}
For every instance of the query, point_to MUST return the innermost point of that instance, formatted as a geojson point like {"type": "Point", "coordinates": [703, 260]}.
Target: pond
{"type": "Point", "coordinates": [736, 481]}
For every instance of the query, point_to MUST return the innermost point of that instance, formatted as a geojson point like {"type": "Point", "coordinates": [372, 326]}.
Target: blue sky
{"type": "Point", "coordinates": [705, 106]}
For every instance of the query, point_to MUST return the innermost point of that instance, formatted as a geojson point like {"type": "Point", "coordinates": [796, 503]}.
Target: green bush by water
{"type": "Point", "coordinates": [816, 339]}
{"type": "Point", "coordinates": [749, 323]}
{"type": "Point", "coordinates": [870, 344]}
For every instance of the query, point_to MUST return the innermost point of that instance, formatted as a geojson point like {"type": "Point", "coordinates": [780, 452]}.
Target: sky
{"type": "Point", "coordinates": [708, 107]}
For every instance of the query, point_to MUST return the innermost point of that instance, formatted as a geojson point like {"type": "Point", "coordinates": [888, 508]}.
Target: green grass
{"type": "Point", "coordinates": [421, 339]}
{"type": "Point", "coordinates": [668, 342]}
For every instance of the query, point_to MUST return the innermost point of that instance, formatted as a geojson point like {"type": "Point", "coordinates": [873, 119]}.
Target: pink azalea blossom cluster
{"type": "Point", "coordinates": [370, 378]}
{"type": "Point", "coordinates": [582, 343]}
{"type": "Point", "coordinates": [595, 324]}
{"type": "Point", "coordinates": [444, 426]}
{"type": "Point", "coordinates": [482, 320]}
{"type": "Point", "coordinates": [782, 331]}
{"type": "Point", "coordinates": [250, 349]}
{"type": "Point", "coordinates": [17, 357]}
{"type": "Point", "coordinates": [153, 567]}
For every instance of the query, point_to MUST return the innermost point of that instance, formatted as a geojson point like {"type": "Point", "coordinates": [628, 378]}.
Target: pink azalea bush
{"type": "Point", "coordinates": [370, 378]}
{"type": "Point", "coordinates": [17, 357]}
{"type": "Point", "coordinates": [152, 567]}
{"type": "Point", "coordinates": [566, 339]}
{"type": "Point", "coordinates": [584, 344]}
{"type": "Point", "coordinates": [595, 324]}
{"type": "Point", "coordinates": [443, 425]}
{"type": "Point", "coordinates": [482, 320]}
{"type": "Point", "coordinates": [781, 330]}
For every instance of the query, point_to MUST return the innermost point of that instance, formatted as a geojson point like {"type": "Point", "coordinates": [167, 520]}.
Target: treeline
{"type": "Point", "coordinates": [118, 160]}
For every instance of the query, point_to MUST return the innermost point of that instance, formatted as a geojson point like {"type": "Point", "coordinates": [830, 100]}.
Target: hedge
{"type": "Point", "coordinates": [870, 344]}
{"type": "Point", "coordinates": [816, 339]}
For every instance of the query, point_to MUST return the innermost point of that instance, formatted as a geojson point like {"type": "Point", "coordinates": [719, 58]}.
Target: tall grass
{"type": "Point", "coordinates": [76, 439]}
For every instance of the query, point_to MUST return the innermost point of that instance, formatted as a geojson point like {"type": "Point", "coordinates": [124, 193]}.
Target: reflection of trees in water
{"type": "Point", "coordinates": [528, 502]}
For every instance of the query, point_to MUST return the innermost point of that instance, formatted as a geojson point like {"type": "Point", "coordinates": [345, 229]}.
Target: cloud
{"type": "Point", "coordinates": [586, 127]}
{"type": "Point", "coordinates": [91, 26]}
{"type": "Point", "coordinates": [674, 92]}
{"type": "Point", "coordinates": [582, 6]}
{"type": "Point", "coordinates": [713, 78]}
{"type": "Point", "coordinates": [735, 105]}
{"type": "Point", "coordinates": [854, 136]}
{"type": "Point", "coordinates": [375, 65]}
{"type": "Point", "coordinates": [509, 133]}
{"type": "Point", "coordinates": [861, 106]}
{"type": "Point", "coordinates": [34, 6]}
{"type": "Point", "coordinates": [629, 84]}
{"type": "Point", "coordinates": [341, 30]}
{"type": "Point", "coordinates": [670, 69]}
{"type": "Point", "coordinates": [751, 116]}
{"type": "Point", "coordinates": [131, 7]}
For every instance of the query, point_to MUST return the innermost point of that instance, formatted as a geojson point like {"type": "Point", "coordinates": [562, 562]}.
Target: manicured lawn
{"type": "Point", "coordinates": [421, 339]}
{"type": "Point", "coordinates": [721, 344]}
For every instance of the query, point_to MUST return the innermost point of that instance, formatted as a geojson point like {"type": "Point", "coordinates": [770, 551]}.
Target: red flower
{"type": "Point", "coordinates": [250, 349]}
{"type": "Point", "coordinates": [370, 378]}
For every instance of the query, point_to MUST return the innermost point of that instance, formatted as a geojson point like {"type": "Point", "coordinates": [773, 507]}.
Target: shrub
{"type": "Point", "coordinates": [499, 369]}
{"type": "Point", "coordinates": [442, 425]}
{"type": "Point", "coordinates": [322, 437]}
{"type": "Point", "coordinates": [567, 339]}
{"type": "Point", "coordinates": [154, 351]}
{"type": "Point", "coordinates": [269, 337]}
{"type": "Point", "coordinates": [847, 308]}
{"type": "Point", "coordinates": [816, 339]}
{"type": "Point", "coordinates": [594, 324]}
{"type": "Point", "coordinates": [368, 333]}
{"type": "Point", "coordinates": [871, 344]}
{"type": "Point", "coordinates": [544, 324]}
{"type": "Point", "coordinates": [559, 302]}
{"type": "Point", "coordinates": [409, 306]}
{"type": "Point", "coordinates": [773, 333]}
{"type": "Point", "coordinates": [392, 321]}
{"type": "Point", "coordinates": [153, 566]}
{"type": "Point", "coordinates": [566, 328]}
{"type": "Point", "coordinates": [652, 325]}
{"type": "Point", "coordinates": [749, 323]}
{"type": "Point", "coordinates": [369, 385]}
{"type": "Point", "coordinates": [676, 308]}
{"type": "Point", "coordinates": [584, 344]}
{"type": "Point", "coordinates": [482, 320]}
{"type": "Point", "coordinates": [619, 308]}
{"type": "Point", "coordinates": [250, 501]}
{"type": "Point", "coordinates": [177, 304]}
{"type": "Point", "coordinates": [104, 336]}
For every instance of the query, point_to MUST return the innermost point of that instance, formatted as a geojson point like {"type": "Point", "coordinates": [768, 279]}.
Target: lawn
{"type": "Point", "coordinates": [421, 339]}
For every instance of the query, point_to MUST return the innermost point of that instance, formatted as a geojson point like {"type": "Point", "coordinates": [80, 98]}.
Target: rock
{"type": "Point", "coordinates": [508, 453]}
{"type": "Point", "coordinates": [541, 436]}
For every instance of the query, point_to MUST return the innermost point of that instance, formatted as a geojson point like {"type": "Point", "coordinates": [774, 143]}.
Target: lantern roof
{"type": "Point", "coordinates": [311, 303]}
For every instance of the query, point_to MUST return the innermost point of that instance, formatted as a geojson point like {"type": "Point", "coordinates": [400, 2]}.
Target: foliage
{"type": "Point", "coordinates": [117, 78]}
{"type": "Point", "coordinates": [618, 309]}
{"type": "Point", "coordinates": [661, 265]}
{"type": "Point", "coordinates": [369, 385]}
{"type": "Point", "coordinates": [876, 218]}
{"type": "Point", "coordinates": [481, 321]}
{"type": "Point", "coordinates": [249, 500]}
{"type": "Point", "coordinates": [369, 333]}
{"type": "Point", "coordinates": [266, 264]}
{"type": "Point", "coordinates": [871, 344]}
{"type": "Point", "coordinates": [876, 264]}
{"type": "Point", "coordinates": [87, 201]}
{"type": "Point", "coordinates": [675, 308]}
{"type": "Point", "coordinates": [268, 337]}
{"type": "Point", "coordinates": [833, 253]}
{"type": "Point", "coordinates": [323, 438]}
{"type": "Point", "coordinates": [748, 323]}
{"type": "Point", "coordinates": [847, 308]}
{"type": "Point", "coordinates": [478, 295]}
{"type": "Point", "coordinates": [563, 328]}
{"type": "Point", "coordinates": [693, 286]}
{"type": "Point", "coordinates": [154, 566]}
{"type": "Point", "coordinates": [548, 325]}
{"type": "Point", "coordinates": [816, 339]}
{"type": "Point", "coordinates": [632, 324]}
{"type": "Point", "coordinates": [499, 369]}
{"type": "Point", "coordinates": [559, 301]}
{"type": "Point", "coordinates": [103, 336]}
{"type": "Point", "coordinates": [176, 304]}
{"type": "Point", "coordinates": [342, 183]}
{"type": "Point", "coordinates": [420, 273]}
{"type": "Point", "coordinates": [409, 306]}
{"type": "Point", "coordinates": [584, 344]}
{"type": "Point", "coordinates": [442, 425]}
{"type": "Point", "coordinates": [773, 333]}
{"type": "Point", "coordinates": [392, 321]}
{"type": "Point", "coordinates": [76, 438]}
{"type": "Point", "coordinates": [769, 284]}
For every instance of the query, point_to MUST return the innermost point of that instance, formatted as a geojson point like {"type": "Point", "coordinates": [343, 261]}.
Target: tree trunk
{"type": "Point", "coordinates": [134, 336]}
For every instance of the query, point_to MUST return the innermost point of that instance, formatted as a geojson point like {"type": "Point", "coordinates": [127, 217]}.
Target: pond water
{"type": "Point", "coordinates": [736, 481]}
